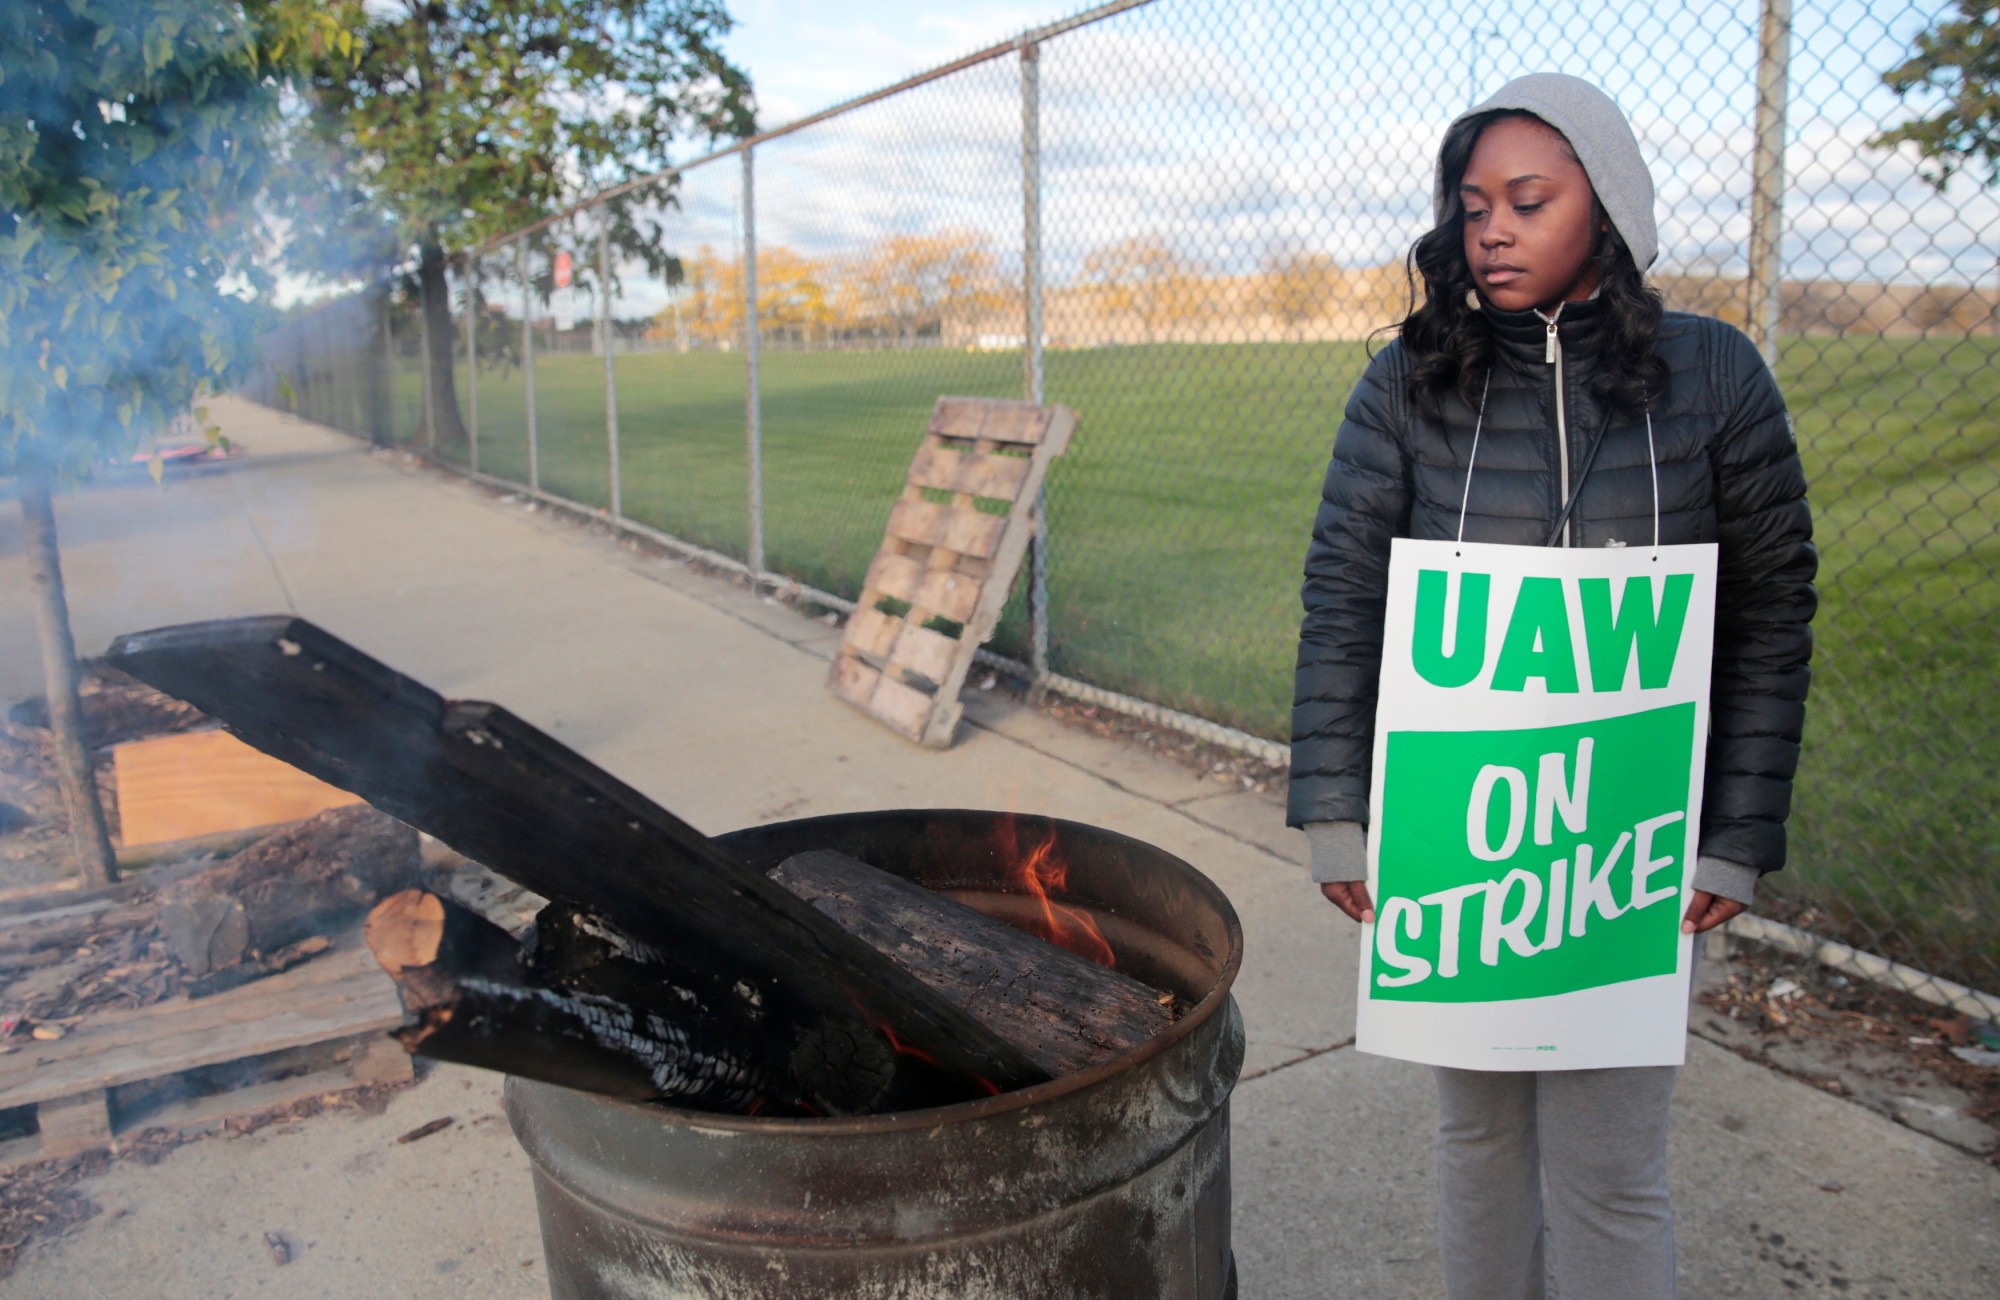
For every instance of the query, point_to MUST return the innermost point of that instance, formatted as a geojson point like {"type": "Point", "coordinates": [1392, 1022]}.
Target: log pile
{"type": "Point", "coordinates": [302, 881]}
{"type": "Point", "coordinates": [116, 708]}
{"type": "Point", "coordinates": [201, 928]}
{"type": "Point", "coordinates": [664, 967]}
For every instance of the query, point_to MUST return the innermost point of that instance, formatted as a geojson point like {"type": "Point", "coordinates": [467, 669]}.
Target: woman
{"type": "Point", "coordinates": [1537, 324]}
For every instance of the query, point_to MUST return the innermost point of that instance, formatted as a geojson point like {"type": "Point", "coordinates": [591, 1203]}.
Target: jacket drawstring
{"type": "Point", "coordinates": [1653, 463]}
{"type": "Point", "coordinates": [1479, 422]}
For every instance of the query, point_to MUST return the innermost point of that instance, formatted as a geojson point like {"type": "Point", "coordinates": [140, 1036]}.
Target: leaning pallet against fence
{"type": "Point", "coordinates": [955, 541]}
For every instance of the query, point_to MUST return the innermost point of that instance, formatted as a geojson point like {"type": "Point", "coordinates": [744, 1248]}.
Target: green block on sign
{"type": "Point", "coordinates": [1526, 863]}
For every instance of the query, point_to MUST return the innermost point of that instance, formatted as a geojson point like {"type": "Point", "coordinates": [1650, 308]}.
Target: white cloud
{"type": "Point", "coordinates": [1234, 128]}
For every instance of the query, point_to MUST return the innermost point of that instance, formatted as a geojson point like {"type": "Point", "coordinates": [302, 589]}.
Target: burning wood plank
{"type": "Point", "coordinates": [468, 999]}
{"type": "Point", "coordinates": [842, 1061]}
{"type": "Point", "coordinates": [1067, 1013]}
{"type": "Point", "coordinates": [503, 793]}
{"type": "Point", "coordinates": [585, 952]}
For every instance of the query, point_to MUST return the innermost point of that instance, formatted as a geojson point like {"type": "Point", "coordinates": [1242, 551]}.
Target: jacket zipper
{"type": "Point", "coordinates": [1552, 355]}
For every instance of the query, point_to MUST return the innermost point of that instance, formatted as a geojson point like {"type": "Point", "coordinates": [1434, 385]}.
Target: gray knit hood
{"type": "Point", "coordinates": [1604, 144]}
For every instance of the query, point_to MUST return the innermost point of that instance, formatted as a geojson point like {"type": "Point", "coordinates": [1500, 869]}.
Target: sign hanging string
{"type": "Point", "coordinates": [1652, 464]}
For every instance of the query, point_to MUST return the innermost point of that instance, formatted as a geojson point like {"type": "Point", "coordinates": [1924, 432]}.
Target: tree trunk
{"type": "Point", "coordinates": [90, 841]}
{"type": "Point", "coordinates": [446, 421]}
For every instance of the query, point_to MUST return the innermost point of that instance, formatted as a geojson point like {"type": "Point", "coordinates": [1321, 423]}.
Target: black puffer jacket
{"type": "Point", "coordinates": [1728, 473]}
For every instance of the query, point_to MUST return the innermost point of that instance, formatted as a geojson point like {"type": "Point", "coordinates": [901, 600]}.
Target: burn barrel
{"type": "Point", "coordinates": [1111, 1183]}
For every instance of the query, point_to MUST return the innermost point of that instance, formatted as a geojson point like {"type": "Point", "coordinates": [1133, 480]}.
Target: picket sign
{"type": "Point", "coordinates": [1539, 743]}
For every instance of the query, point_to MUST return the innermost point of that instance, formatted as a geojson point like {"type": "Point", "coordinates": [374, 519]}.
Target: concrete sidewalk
{"type": "Point", "coordinates": [710, 700]}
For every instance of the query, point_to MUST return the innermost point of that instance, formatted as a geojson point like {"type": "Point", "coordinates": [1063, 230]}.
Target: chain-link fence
{"type": "Point", "coordinates": [1185, 219]}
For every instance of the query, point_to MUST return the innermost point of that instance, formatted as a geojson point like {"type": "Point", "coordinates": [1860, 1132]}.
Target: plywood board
{"type": "Point", "coordinates": [207, 782]}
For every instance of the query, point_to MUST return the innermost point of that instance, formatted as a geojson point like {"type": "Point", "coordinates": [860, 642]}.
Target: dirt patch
{"type": "Point", "coordinates": [1876, 1046]}
{"type": "Point", "coordinates": [34, 826]}
{"type": "Point", "coordinates": [1214, 762]}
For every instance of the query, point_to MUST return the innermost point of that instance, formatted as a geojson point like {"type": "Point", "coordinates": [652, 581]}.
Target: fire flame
{"type": "Point", "coordinates": [1043, 875]}
{"type": "Point", "coordinates": [902, 1048]}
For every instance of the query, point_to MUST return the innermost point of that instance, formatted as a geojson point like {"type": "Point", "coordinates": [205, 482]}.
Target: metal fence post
{"type": "Point", "coordinates": [610, 372]}
{"type": "Point", "coordinates": [389, 362]}
{"type": "Point", "coordinates": [303, 384]}
{"type": "Point", "coordinates": [1767, 178]}
{"type": "Point", "coordinates": [357, 365]}
{"type": "Point", "coordinates": [1031, 342]}
{"type": "Point", "coordinates": [472, 363]}
{"type": "Point", "coordinates": [753, 414]}
{"type": "Point", "coordinates": [424, 369]}
{"type": "Point", "coordinates": [528, 363]}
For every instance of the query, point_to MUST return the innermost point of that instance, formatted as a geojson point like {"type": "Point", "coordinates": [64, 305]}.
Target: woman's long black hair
{"type": "Point", "coordinates": [1447, 339]}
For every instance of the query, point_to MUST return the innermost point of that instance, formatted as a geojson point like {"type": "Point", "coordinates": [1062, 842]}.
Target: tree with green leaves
{"type": "Point", "coordinates": [1955, 66]}
{"type": "Point", "coordinates": [133, 141]}
{"type": "Point", "coordinates": [461, 120]}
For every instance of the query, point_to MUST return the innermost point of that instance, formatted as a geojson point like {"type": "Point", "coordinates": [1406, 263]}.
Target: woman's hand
{"type": "Point", "coordinates": [1706, 912]}
{"type": "Point", "coordinates": [1351, 897]}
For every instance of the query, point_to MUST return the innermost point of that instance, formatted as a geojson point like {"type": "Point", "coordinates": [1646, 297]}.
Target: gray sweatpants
{"type": "Point", "coordinates": [1554, 1183]}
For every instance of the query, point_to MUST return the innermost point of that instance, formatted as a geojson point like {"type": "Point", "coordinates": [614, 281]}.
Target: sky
{"type": "Point", "coordinates": [1236, 130]}
{"type": "Point", "coordinates": [1232, 128]}
{"type": "Point", "coordinates": [804, 55]}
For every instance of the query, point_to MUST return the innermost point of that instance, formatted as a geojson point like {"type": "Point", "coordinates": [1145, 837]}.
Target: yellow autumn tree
{"type": "Point", "coordinates": [709, 299]}
{"type": "Point", "coordinates": [1144, 278]}
{"type": "Point", "coordinates": [910, 286]}
{"type": "Point", "coordinates": [1296, 286]}
{"type": "Point", "coordinates": [794, 297]}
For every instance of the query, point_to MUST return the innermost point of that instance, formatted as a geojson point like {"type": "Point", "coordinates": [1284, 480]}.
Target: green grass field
{"type": "Point", "coordinates": [1179, 518]}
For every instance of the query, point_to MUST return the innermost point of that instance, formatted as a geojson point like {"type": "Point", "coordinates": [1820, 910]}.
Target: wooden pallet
{"type": "Point", "coordinates": [343, 995]}
{"type": "Point", "coordinates": [946, 563]}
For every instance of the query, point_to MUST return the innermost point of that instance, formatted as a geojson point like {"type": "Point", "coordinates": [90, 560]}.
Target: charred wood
{"type": "Point", "coordinates": [584, 951]}
{"type": "Point", "coordinates": [1067, 1014]}
{"type": "Point", "coordinates": [840, 1064]}
{"type": "Point", "coordinates": [468, 999]}
{"type": "Point", "coordinates": [502, 793]}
